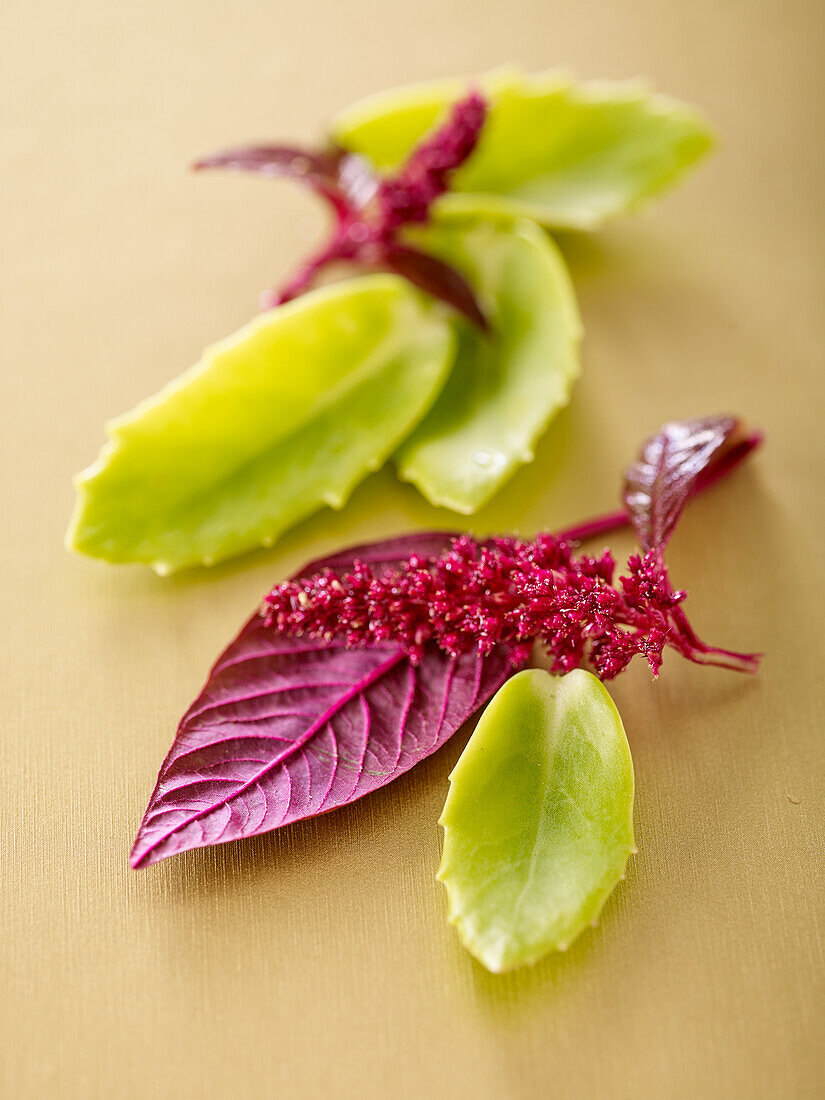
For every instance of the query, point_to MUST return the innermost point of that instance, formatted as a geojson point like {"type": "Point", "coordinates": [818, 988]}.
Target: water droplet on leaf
{"type": "Point", "coordinates": [489, 460]}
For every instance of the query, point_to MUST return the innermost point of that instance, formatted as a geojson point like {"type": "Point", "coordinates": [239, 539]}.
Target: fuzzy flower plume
{"type": "Point", "coordinates": [504, 592]}
{"type": "Point", "coordinates": [407, 196]}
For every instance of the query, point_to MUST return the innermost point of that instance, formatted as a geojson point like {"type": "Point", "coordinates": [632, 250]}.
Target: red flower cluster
{"type": "Point", "coordinates": [408, 196]}
{"type": "Point", "coordinates": [504, 592]}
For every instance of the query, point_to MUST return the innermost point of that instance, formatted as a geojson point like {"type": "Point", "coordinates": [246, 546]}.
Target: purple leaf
{"type": "Point", "coordinates": [275, 160]}
{"type": "Point", "coordinates": [437, 278]}
{"type": "Point", "coordinates": [287, 728]}
{"type": "Point", "coordinates": [320, 170]}
{"type": "Point", "coordinates": [680, 460]}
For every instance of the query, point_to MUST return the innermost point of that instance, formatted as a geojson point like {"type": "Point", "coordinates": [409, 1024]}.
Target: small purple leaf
{"type": "Point", "coordinates": [287, 728]}
{"type": "Point", "coordinates": [680, 460]}
{"type": "Point", "coordinates": [320, 170]}
{"type": "Point", "coordinates": [275, 160]}
{"type": "Point", "coordinates": [437, 278]}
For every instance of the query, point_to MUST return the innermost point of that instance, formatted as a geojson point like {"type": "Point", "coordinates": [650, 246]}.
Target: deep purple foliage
{"type": "Point", "coordinates": [369, 210]}
{"type": "Point", "coordinates": [287, 728]}
{"type": "Point", "coordinates": [682, 458]}
{"type": "Point", "coordinates": [675, 472]}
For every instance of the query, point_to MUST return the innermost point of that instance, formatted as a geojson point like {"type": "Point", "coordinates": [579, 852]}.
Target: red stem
{"type": "Point", "coordinates": [592, 527]}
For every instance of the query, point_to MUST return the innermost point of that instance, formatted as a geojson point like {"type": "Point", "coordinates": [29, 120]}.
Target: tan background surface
{"type": "Point", "coordinates": [317, 962]}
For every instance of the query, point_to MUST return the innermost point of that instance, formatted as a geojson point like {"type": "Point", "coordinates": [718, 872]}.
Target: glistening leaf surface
{"type": "Point", "coordinates": [286, 415]}
{"type": "Point", "coordinates": [507, 383]}
{"type": "Point", "coordinates": [538, 823]}
{"type": "Point", "coordinates": [682, 458]}
{"type": "Point", "coordinates": [319, 170]}
{"type": "Point", "coordinates": [569, 155]}
{"type": "Point", "coordinates": [287, 728]}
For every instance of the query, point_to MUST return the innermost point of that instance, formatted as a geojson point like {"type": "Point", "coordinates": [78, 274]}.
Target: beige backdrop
{"type": "Point", "coordinates": [317, 962]}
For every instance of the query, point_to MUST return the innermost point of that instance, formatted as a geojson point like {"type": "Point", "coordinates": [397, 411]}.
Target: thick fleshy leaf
{"type": "Point", "coordinates": [288, 414]}
{"type": "Point", "coordinates": [287, 728]}
{"type": "Point", "coordinates": [508, 383]}
{"type": "Point", "coordinates": [567, 154]}
{"type": "Point", "coordinates": [538, 823]}
{"type": "Point", "coordinates": [681, 459]}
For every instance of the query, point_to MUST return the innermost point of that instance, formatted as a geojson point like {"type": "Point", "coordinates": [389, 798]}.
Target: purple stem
{"type": "Point", "coordinates": [613, 521]}
{"type": "Point", "coordinates": [339, 248]}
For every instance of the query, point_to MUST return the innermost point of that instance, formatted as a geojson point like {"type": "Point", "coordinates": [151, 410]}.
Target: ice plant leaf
{"type": "Point", "coordinates": [506, 384]}
{"type": "Point", "coordinates": [288, 414]}
{"type": "Point", "coordinates": [567, 154]}
{"type": "Point", "coordinates": [682, 458]}
{"type": "Point", "coordinates": [288, 728]}
{"type": "Point", "coordinates": [538, 823]}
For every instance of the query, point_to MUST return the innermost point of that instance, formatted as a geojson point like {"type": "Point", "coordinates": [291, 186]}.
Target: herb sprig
{"type": "Point", "coordinates": [443, 191]}
{"type": "Point", "coordinates": [366, 662]}
{"type": "Point", "coordinates": [370, 211]}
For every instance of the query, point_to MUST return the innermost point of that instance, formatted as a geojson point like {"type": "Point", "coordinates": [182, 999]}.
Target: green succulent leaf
{"type": "Point", "coordinates": [569, 155]}
{"type": "Point", "coordinates": [286, 415]}
{"type": "Point", "coordinates": [508, 383]}
{"type": "Point", "coordinates": [538, 823]}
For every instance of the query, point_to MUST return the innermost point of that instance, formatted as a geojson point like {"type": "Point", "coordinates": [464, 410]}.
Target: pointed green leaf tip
{"type": "Point", "coordinates": [286, 415]}
{"type": "Point", "coordinates": [538, 824]}
{"type": "Point", "coordinates": [569, 155]}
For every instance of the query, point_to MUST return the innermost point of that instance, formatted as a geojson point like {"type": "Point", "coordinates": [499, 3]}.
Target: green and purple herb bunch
{"type": "Point", "coordinates": [370, 211]}
{"type": "Point", "coordinates": [368, 661]}
{"type": "Point", "coordinates": [447, 351]}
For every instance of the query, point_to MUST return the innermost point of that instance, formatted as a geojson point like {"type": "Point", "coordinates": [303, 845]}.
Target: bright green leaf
{"type": "Point", "coordinates": [538, 824]}
{"type": "Point", "coordinates": [566, 154]}
{"type": "Point", "coordinates": [286, 415]}
{"type": "Point", "coordinates": [506, 385]}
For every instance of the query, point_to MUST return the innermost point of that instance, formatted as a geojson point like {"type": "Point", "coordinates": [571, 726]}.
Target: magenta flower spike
{"type": "Point", "coordinates": [509, 592]}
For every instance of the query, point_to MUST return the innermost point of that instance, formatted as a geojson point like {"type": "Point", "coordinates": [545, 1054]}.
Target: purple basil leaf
{"type": "Point", "coordinates": [287, 728]}
{"type": "Point", "coordinates": [319, 170]}
{"type": "Point", "coordinates": [274, 160]}
{"type": "Point", "coordinates": [680, 460]}
{"type": "Point", "coordinates": [437, 278]}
